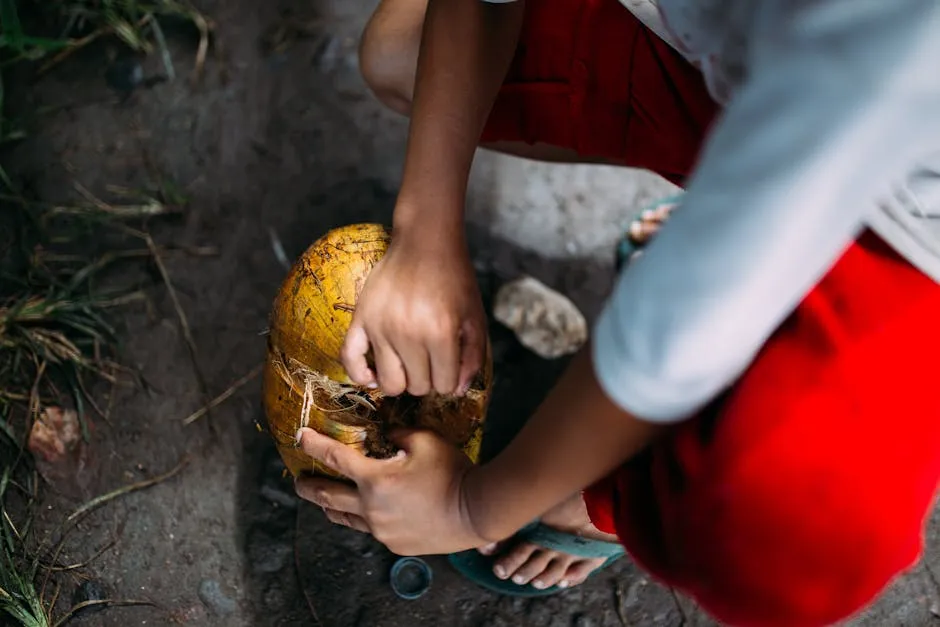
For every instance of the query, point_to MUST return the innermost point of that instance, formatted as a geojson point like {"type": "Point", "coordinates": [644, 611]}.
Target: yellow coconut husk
{"type": "Point", "coordinates": [305, 384]}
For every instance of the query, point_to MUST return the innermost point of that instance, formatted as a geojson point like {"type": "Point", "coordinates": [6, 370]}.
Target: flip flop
{"type": "Point", "coordinates": [629, 247]}
{"type": "Point", "coordinates": [478, 568]}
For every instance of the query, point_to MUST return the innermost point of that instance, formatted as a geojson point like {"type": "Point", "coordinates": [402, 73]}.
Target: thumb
{"type": "Point", "coordinates": [412, 441]}
{"type": "Point", "coordinates": [334, 454]}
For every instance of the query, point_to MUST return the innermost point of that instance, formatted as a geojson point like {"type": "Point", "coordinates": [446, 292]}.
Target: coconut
{"type": "Point", "coordinates": [306, 385]}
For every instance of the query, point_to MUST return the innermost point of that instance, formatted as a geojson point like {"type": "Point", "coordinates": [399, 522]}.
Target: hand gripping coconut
{"type": "Point", "coordinates": [305, 384]}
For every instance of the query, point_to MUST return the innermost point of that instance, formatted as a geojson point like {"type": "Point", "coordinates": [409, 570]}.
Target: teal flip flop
{"type": "Point", "coordinates": [478, 568]}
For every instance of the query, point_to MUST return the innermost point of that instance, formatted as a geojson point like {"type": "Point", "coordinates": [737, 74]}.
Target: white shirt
{"type": "Point", "coordinates": [831, 125]}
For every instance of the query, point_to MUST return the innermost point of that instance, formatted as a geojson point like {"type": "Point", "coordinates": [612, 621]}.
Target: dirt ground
{"type": "Point", "coordinates": [280, 136]}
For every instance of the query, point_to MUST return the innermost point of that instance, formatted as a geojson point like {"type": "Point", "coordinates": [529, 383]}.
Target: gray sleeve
{"type": "Point", "coordinates": [843, 97]}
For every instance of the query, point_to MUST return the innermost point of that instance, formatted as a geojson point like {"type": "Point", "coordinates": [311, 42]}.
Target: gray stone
{"type": "Point", "coordinates": [545, 321]}
{"type": "Point", "coordinates": [278, 497]}
{"type": "Point", "coordinates": [267, 555]}
{"type": "Point", "coordinates": [215, 600]}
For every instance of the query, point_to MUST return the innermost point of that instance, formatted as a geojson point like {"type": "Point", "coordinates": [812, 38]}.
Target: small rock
{"type": "Point", "coordinates": [90, 590]}
{"type": "Point", "coordinates": [55, 434]}
{"type": "Point", "coordinates": [267, 555]}
{"type": "Point", "coordinates": [278, 497]}
{"type": "Point", "coordinates": [215, 600]}
{"type": "Point", "coordinates": [124, 74]}
{"type": "Point", "coordinates": [544, 321]}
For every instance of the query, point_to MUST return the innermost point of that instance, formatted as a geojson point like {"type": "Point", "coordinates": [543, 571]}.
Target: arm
{"type": "Point", "coordinates": [420, 311]}
{"type": "Point", "coordinates": [577, 436]}
{"type": "Point", "coordinates": [466, 49]}
{"type": "Point", "coordinates": [430, 500]}
{"type": "Point", "coordinates": [842, 101]}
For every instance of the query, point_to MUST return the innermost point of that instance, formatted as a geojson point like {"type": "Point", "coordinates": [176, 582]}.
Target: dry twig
{"type": "Point", "coordinates": [224, 396]}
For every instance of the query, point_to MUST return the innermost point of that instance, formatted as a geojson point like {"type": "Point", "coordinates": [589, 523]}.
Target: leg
{"type": "Point", "coordinates": [388, 51]}
{"type": "Point", "coordinates": [801, 494]}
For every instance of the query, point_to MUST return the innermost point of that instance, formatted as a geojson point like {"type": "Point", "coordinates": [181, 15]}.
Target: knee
{"type": "Point", "coordinates": [388, 56]}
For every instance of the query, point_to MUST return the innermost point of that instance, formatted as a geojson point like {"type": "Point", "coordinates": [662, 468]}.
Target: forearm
{"type": "Point", "coordinates": [466, 49]}
{"type": "Point", "coordinates": [576, 437]}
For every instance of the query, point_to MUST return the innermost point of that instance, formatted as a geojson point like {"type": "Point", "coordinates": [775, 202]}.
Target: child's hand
{"type": "Point", "coordinates": [411, 503]}
{"type": "Point", "coordinates": [421, 315]}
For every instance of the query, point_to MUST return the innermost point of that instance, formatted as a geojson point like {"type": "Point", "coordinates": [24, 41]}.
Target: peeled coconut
{"type": "Point", "coordinates": [305, 384]}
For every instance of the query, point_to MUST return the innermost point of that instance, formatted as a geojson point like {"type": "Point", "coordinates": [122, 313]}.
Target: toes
{"type": "Point", "coordinates": [579, 571]}
{"type": "Point", "coordinates": [648, 224]}
{"type": "Point", "coordinates": [506, 565]}
{"type": "Point", "coordinates": [554, 574]}
{"type": "Point", "coordinates": [536, 565]}
{"type": "Point", "coordinates": [491, 549]}
{"type": "Point", "coordinates": [660, 214]}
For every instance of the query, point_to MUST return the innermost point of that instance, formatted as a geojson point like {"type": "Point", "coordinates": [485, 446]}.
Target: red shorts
{"type": "Point", "coordinates": [801, 492]}
{"type": "Point", "coordinates": [591, 78]}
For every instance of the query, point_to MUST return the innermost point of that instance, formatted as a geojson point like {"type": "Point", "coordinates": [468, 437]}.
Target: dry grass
{"type": "Point", "coordinates": [57, 336]}
{"type": "Point", "coordinates": [19, 599]}
{"type": "Point", "coordinates": [57, 333]}
{"type": "Point", "coordinates": [80, 22]}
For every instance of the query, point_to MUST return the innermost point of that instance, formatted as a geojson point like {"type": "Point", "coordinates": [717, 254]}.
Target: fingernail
{"type": "Point", "coordinates": [518, 580]}
{"type": "Point", "coordinates": [500, 572]}
{"type": "Point", "coordinates": [298, 435]}
{"type": "Point", "coordinates": [488, 549]}
{"type": "Point", "coordinates": [563, 583]}
{"type": "Point", "coordinates": [372, 385]}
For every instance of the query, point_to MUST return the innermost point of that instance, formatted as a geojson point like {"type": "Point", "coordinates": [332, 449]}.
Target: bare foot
{"type": "Point", "coordinates": [526, 563]}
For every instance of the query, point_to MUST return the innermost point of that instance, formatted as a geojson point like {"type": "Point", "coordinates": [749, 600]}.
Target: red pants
{"type": "Point", "coordinates": [801, 492]}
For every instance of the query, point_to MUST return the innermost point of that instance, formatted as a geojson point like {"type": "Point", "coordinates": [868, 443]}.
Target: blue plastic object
{"type": "Point", "coordinates": [410, 578]}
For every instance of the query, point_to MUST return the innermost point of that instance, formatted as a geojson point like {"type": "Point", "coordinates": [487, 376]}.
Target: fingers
{"type": "Point", "coordinates": [353, 355]}
{"type": "Point", "coordinates": [335, 455]}
{"type": "Point", "coordinates": [472, 349]}
{"type": "Point", "coordinates": [417, 368]}
{"type": "Point", "coordinates": [329, 494]}
{"type": "Point", "coordinates": [389, 368]}
{"type": "Point", "coordinates": [347, 520]}
{"type": "Point", "coordinates": [444, 351]}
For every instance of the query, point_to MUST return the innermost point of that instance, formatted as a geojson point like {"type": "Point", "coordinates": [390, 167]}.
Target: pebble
{"type": "Point", "coordinates": [265, 554]}
{"type": "Point", "coordinates": [217, 602]}
{"type": "Point", "coordinates": [545, 321]}
{"type": "Point", "coordinates": [90, 590]}
{"type": "Point", "coordinates": [278, 497]}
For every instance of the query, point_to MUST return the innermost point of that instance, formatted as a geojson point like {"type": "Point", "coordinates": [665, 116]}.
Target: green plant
{"type": "Point", "coordinates": [19, 598]}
